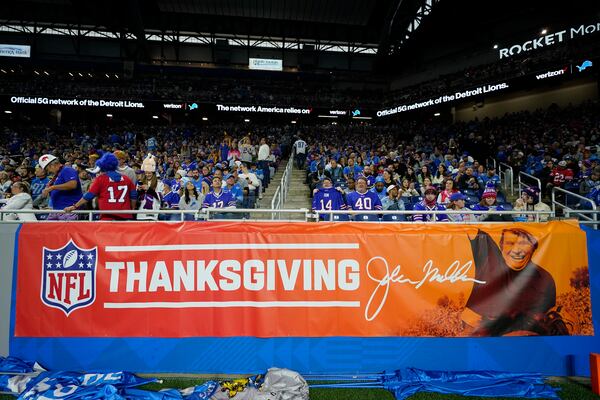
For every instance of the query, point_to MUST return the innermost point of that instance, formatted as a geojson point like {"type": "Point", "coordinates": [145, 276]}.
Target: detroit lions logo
{"type": "Point", "coordinates": [69, 277]}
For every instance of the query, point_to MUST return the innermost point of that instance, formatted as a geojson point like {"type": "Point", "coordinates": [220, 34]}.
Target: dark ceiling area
{"type": "Point", "coordinates": [334, 20]}
{"type": "Point", "coordinates": [449, 26]}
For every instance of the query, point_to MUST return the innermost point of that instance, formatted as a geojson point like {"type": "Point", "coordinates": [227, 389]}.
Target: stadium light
{"type": "Point", "coordinates": [544, 31]}
{"type": "Point", "coordinates": [436, 114]}
{"type": "Point", "coordinates": [109, 115]}
{"type": "Point", "coordinates": [246, 120]}
{"type": "Point", "coordinates": [80, 74]}
{"type": "Point", "coordinates": [155, 117]}
{"type": "Point", "coordinates": [70, 74]}
{"type": "Point", "coordinates": [293, 122]}
{"type": "Point", "coordinates": [35, 72]}
{"type": "Point", "coordinates": [46, 73]}
{"type": "Point", "coordinates": [3, 71]}
{"type": "Point", "coordinates": [107, 75]}
{"type": "Point", "coordinates": [495, 46]}
{"type": "Point", "coordinates": [7, 112]}
{"type": "Point", "coordinates": [204, 119]}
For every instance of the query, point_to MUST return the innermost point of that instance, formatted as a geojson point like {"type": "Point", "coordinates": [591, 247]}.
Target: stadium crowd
{"type": "Point", "coordinates": [173, 168]}
{"type": "Point", "coordinates": [401, 166]}
{"type": "Point", "coordinates": [433, 166]}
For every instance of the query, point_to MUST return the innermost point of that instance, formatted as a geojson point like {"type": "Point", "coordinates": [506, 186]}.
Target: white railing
{"type": "Point", "coordinates": [240, 214]}
{"type": "Point", "coordinates": [524, 178]}
{"type": "Point", "coordinates": [434, 213]}
{"type": "Point", "coordinates": [281, 192]}
{"type": "Point", "coordinates": [505, 172]}
{"type": "Point", "coordinates": [568, 211]}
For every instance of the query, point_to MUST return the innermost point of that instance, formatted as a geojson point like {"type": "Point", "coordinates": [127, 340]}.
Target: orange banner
{"type": "Point", "coordinates": [301, 279]}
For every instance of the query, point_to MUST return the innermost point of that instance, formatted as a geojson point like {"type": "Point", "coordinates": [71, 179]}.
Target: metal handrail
{"type": "Point", "coordinates": [510, 179]}
{"type": "Point", "coordinates": [281, 192]}
{"type": "Point", "coordinates": [568, 210]}
{"type": "Point", "coordinates": [537, 214]}
{"type": "Point", "coordinates": [206, 213]}
{"type": "Point", "coordinates": [521, 184]}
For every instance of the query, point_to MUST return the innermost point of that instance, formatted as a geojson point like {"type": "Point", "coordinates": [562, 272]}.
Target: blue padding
{"type": "Point", "coordinates": [549, 355]}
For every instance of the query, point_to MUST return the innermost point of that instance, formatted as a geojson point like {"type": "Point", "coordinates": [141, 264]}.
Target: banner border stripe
{"type": "Point", "coordinates": [227, 304]}
{"type": "Point", "coordinates": [235, 246]}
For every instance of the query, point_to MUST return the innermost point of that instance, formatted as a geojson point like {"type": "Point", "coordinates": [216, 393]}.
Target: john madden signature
{"type": "Point", "coordinates": [454, 273]}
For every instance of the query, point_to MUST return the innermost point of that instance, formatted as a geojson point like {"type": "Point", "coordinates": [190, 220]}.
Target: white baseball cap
{"type": "Point", "coordinates": [45, 160]}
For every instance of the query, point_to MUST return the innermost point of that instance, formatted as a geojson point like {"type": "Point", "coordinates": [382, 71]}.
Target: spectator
{"type": "Point", "coordinates": [530, 201]}
{"type": "Point", "coordinates": [5, 183]}
{"type": "Point", "coordinates": [149, 190]}
{"type": "Point", "coordinates": [457, 203]}
{"type": "Point", "coordinates": [64, 188]}
{"type": "Point", "coordinates": [190, 199]}
{"type": "Point", "coordinates": [379, 188]}
{"type": "Point", "coordinates": [490, 176]}
{"type": "Point", "coordinates": [489, 203]}
{"type": "Point", "coordinates": [125, 169]}
{"type": "Point", "coordinates": [590, 184]}
{"type": "Point", "coordinates": [170, 200]}
{"type": "Point", "coordinates": [300, 153]}
{"type": "Point", "coordinates": [20, 200]}
{"type": "Point", "coordinates": [468, 181]}
{"type": "Point", "coordinates": [115, 192]}
{"type": "Point", "coordinates": [407, 189]}
{"type": "Point", "coordinates": [449, 190]}
{"type": "Point", "coordinates": [38, 183]}
{"type": "Point", "coordinates": [393, 201]}
{"type": "Point", "coordinates": [263, 161]}
{"type": "Point", "coordinates": [560, 175]}
{"type": "Point", "coordinates": [426, 183]}
{"type": "Point", "coordinates": [218, 198]}
{"type": "Point", "coordinates": [362, 199]}
{"type": "Point", "coordinates": [234, 188]}
{"type": "Point", "coordinates": [327, 198]}
{"type": "Point", "coordinates": [334, 171]}
{"type": "Point", "coordinates": [429, 204]}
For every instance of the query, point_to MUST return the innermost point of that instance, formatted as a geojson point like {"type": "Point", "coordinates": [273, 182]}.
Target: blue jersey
{"type": "Point", "coordinates": [429, 217]}
{"type": "Point", "coordinates": [37, 185]}
{"type": "Point", "coordinates": [381, 194]}
{"type": "Point", "coordinates": [62, 199]}
{"type": "Point", "coordinates": [353, 171]}
{"type": "Point", "coordinates": [328, 199]}
{"type": "Point", "coordinates": [236, 191]}
{"type": "Point", "coordinates": [171, 200]}
{"type": "Point", "coordinates": [364, 201]}
{"type": "Point", "coordinates": [197, 184]}
{"type": "Point", "coordinates": [221, 200]}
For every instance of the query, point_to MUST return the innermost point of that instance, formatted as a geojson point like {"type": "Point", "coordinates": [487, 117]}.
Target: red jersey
{"type": "Point", "coordinates": [113, 195]}
{"type": "Point", "coordinates": [560, 176]}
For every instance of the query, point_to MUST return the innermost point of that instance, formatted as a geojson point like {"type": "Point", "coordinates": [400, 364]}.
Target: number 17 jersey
{"type": "Point", "coordinates": [113, 195]}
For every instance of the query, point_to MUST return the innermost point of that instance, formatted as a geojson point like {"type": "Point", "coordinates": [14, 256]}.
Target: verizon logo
{"type": "Point", "coordinates": [550, 74]}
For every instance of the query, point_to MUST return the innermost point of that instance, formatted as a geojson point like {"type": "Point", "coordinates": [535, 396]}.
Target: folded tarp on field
{"type": "Point", "coordinates": [408, 381]}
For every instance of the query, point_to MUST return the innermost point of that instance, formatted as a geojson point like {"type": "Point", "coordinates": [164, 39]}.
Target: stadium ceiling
{"type": "Point", "coordinates": [354, 26]}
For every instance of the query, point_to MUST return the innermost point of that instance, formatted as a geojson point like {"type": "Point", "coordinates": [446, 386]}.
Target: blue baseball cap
{"type": "Point", "coordinates": [379, 179]}
{"type": "Point", "coordinates": [457, 196]}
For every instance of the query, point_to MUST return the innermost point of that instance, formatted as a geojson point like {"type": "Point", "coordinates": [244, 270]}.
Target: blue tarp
{"type": "Point", "coordinates": [408, 381]}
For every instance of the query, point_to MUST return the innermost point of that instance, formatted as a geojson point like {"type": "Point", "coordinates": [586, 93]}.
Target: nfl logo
{"type": "Point", "coordinates": [69, 277]}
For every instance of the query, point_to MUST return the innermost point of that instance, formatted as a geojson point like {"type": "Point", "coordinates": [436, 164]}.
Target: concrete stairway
{"type": "Point", "coordinates": [298, 195]}
{"type": "Point", "coordinates": [265, 202]}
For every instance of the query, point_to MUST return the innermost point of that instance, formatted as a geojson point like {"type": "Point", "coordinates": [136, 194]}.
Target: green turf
{"type": "Point", "coordinates": [569, 391]}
